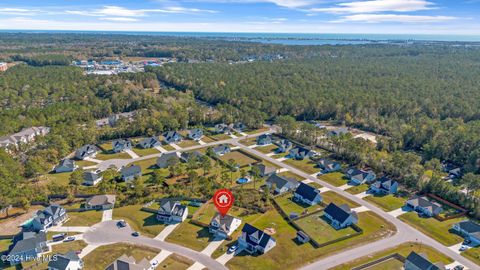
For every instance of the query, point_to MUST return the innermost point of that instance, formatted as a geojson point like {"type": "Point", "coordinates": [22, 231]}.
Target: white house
{"type": "Point", "coordinates": [223, 226]}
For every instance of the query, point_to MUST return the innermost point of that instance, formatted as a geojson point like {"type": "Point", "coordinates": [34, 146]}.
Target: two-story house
{"type": "Point", "coordinates": [171, 212]}
{"type": "Point", "coordinates": [254, 240]}
{"type": "Point", "coordinates": [223, 226]}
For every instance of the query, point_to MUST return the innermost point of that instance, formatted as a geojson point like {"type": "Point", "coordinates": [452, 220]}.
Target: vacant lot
{"type": "Point", "coordinates": [240, 158]}
{"type": "Point", "coordinates": [141, 221]}
{"type": "Point", "coordinates": [103, 256]}
{"type": "Point", "coordinates": [267, 148]}
{"type": "Point", "coordinates": [187, 143]}
{"type": "Point", "coordinates": [336, 178]}
{"type": "Point", "coordinates": [387, 202]}
{"type": "Point", "coordinates": [84, 163]}
{"type": "Point", "coordinates": [305, 165]}
{"type": "Point", "coordinates": [317, 227]}
{"type": "Point", "coordinates": [291, 175]}
{"type": "Point", "coordinates": [106, 155]}
{"type": "Point", "coordinates": [290, 206]}
{"type": "Point", "coordinates": [336, 198]}
{"type": "Point", "coordinates": [61, 179]}
{"type": "Point", "coordinates": [87, 218]}
{"type": "Point", "coordinates": [145, 152]}
{"type": "Point", "coordinates": [220, 137]}
{"type": "Point", "coordinates": [357, 189]}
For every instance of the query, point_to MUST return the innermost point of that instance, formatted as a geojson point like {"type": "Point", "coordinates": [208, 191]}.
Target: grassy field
{"type": "Point", "coordinates": [77, 245]}
{"type": "Point", "coordinates": [357, 189]}
{"type": "Point", "coordinates": [187, 143]}
{"type": "Point", "coordinates": [387, 202]}
{"type": "Point", "coordinates": [319, 229]}
{"type": "Point", "coordinates": [305, 165]}
{"type": "Point", "coordinates": [103, 256]}
{"type": "Point", "coordinates": [331, 196]}
{"type": "Point", "coordinates": [438, 230]}
{"type": "Point", "coordinates": [291, 175]}
{"type": "Point", "coordinates": [148, 165]}
{"type": "Point", "coordinates": [175, 262]}
{"type": "Point", "coordinates": [207, 139]}
{"type": "Point", "coordinates": [191, 236]}
{"type": "Point", "coordinates": [289, 206]}
{"type": "Point", "coordinates": [335, 178]}
{"type": "Point", "coordinates": [403, 249]}
{"type": "Point", "coordinates": [220, 137]}
{"type": "Point", "coordinates": [87, 218]}
{"type": "Point", "coordinates": [84, 163]}
{"type": "Point", "coordinates": [240, 158]}
{"type": "Point", "coordinates": [267, 148]}
{"type": "Point", "coordinates": [106, 146]}
{"type": "Point", "coordinates": [4, 244]}
{"type": "Point", "coordinates": [167, 147]}
{"type": "Point", "coordinates": [58, 178]}
{"type": "Point", "coordinates": [255, 131]}
{"type": "Point", "coordinates": [145, 152]}
{"type": "Point", "coordinates": [249, 141]}
{"type": "Point", "coordinates": [143, 222]}
{"type": "Point", "coordinates": [391, 264]}
{"type": "Point", "coordinates": [110, 155]}
{"type": "Point", "coordinates": [473, 254]}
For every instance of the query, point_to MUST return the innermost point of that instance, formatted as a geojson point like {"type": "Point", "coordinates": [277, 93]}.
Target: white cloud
{"type": "Point", "coordinates": [374, 6]}
{"type": "Point", "coordinates": [282, 3]}
{"type": "Point", "coordinates": [18, 11]}
{"type": "Point", "coordinates": [118, 11]}
{"type": "Point", "coordinates": [119, 19]}
{"type": "Point", "coordinates": [378, 18]}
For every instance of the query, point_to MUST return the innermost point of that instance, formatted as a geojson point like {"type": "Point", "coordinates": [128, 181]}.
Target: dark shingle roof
{"type": "Point", "coordinates": [62, 260]}
{"type": "Point", "coordinates": [469, 226]}
{"type": "Point", "coordinates": [26, 241]}
{"type": "Point", "coordinates": [307, 192]}
{"type": "Point", "coordinates": [421, 262]}
{"type": "Point", "coordinates": [131, 171]}
{"type": "Point", "coordinates": [281, 181]}
{"type": "Point", "coordinates": [339, 213]}
{"type": "Point", "coordinates": [258, 234]}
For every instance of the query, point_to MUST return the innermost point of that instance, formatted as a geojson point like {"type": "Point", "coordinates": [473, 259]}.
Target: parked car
{"type": "Point", "coordinates": [58, 237]}
{"type": "Point", "coordinates": [121, 223]}
{"type": "Point", "coordinates": [232, 249]}
{"type": "Point", "coordinates": [458, 267]}
{"type": "Point", "coordinates": [69, 239]}
{"type": "Point", "coordinates": [463, 248]}
{"type": "Point", "coordinates": [136, 234]}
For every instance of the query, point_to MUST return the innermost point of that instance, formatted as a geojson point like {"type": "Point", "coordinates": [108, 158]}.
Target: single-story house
{"type": "Point", "coordinates": [424, 206]}
{"type": "Point", "coordinates": [149, 143]}
{"type": "Point", "coordinates": [100, 202]}
{"type": "Point", "coordinates": [67, 261]}
{"type": "Point", "coordinates": [239, 126]}
{"type": "Point", "coordinates": [222, 128]}
{"type": "Point", "coordinates": [359, 177]}
{"type": "Point", "coordinates": [307, 194]}
{"type": "Point", "coordinates": [384, 185]}
{"type": "Point", "coordinates": [223, 226]}
{"type": "Point", "coordinates": [187, 156]}
{"type": "Point", "coordinates": [66, 165]}
{"type": "Point", "coordinates": [121, 145]}
{"type": "Point", "coordinates": [338, 131]}
{"type": "Point", "coordinates": [50, 216]}
{"type": "Point", "coordinates": [340, 216]}
{"type": "Point", "coordinates": [415, 261]}
{"type": "Point", "coordinates": [172, 212]}
{"type": "Point", "coordinates": [172, 137]}
{"type": "Point", "coordinates": [327, 165]}
{"type": "Point", "coordinates": [27, 246]}
{"type": "Point", "coordinates": [167, 159]}
{"type": "Point", "coordinates": [299, 153]}
{"type": "Point", "coordinates": [281, 184]}
{"type": "Point", "coordinates": [254, 240]}
{"type": "Point", "coordinates": [265, 170]}
{"type": "Point", "coordinates": [284, 146]}
{"type": "Point", "coordinates": [221, 150]}
{"type": "Point", "coordinates": [195, 134]}
{"type": "Point", "coordinates": [129, 263]}
{"type": "Point", "coordinates": [92, 178]}
{"type": "Point", "coordinates": [469, 230]}
{"type": "Point", "coordinates": [130, 173]}
{"type": "Point", "coordinates": [264, 139]}
{"type": "Point", "coordinates": [86, 151]}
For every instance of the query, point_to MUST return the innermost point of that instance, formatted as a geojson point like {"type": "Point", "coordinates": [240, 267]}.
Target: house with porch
{"type": "Point", "coordinates": [167, 159]}
{"type": "Point", "coordinates": [92, 178]}
{"type": "Point", "coordinates": [279, 184]}
{"type": "Point", "coordinates": [300, 153]}
{"type": "Point", "coordinates": [67, 261]}
{"type": "Point", "coordinates": [384, 185]}
{"type": "Point", "coordinates": [121, 145]}
{"type": "Point", "coordinates": [265, 170]}
{"type": "Point", "coordinates": [423, 206]}
{"type": "Point", "coordinates": [264, 139]}
{"type": "Point", "coordinates": [284, 146]}
{"type": "Point", "coordinates": [221, 150]}
{"type": "Point", "coordinates": [65, 165]}
{"type": "Point", "coordinates": [27, 246]}
{"type": "Point", "coordinates": [328, 166]}
{"type": "Point", "coordinates": [253, 240]}
{"type": "Point", "coordinates": [223, 226]}
{"type": "Point", "coordinates": [415, 261]}
{"type": "Point", "coordinates": [86, 151]}
{"type": "Point", "coordinates": [195, 134]}
{"type": "Point", "coordinates": [149, 143]}
{"type": "Point", "coordinates": [358, 177]}
{"type": "Point", "coordinates": [52, 215]}
{"type": "Point", "coordinates": [100, 202]}
{"type": "Point", "coordinates": [130, 173]}
{"type": "Point", "coordinates": [172, 212]}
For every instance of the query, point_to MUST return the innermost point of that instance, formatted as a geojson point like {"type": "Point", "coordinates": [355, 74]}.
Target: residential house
{"type": "Point", "coordinates": [358, 177]}
{"type": "Point", "coordinates": [27, 246]}
{"type": "Point", "coordinates": [384, 185]}
{"type": "Point", "coordinates": [187, 156]}
{"type": "Point", "coordinates": [299, 153]}
{"type": "Point", "coordinates": [149, 143]}
{"type": "Point", "coordinates": [26, 135]}
{"type": "Point", "coordinates": [121, 145]}
{"type": "Point", "coordinates": [415, 261]}
{"type": "Point", "coordinates": [307, 194]}
{"type": "Point", "coordinates": [195, 134]}
{"type": "Point", "coordinates": [264, 139]}
{"type": "Point", "coordinates": [52, 215]}
{"type": "Point", "coordinates": [86, 151]}
{"type": "Point", "coordinates": [455, 173]}
{"type": "Point", "coordinates": [223, 226]}
{"type": "Point", "coordinates": [424, 206]}
{"type": "Point", "coordinates": [340, 216]}
{"type": "Point", "coordinates": [328, 166]}
{"type": "Point", "coordinates": [92, 178]}
{"type": "Point", "coordinates": [172, 137]}
{"type": "Point", "coordinates": [113, 119]}
{"type": "Point", "coordinates": [129, 263]}
{"type": "Point", "coordinates": [469, 230]}
{"type": "Point", "coordinates": [66, 165]}
{"type": "Point", "coordinates": [265, 170]}
{"type": "Point", "coordinates": [172, 212]}
{"type": "Point", "coordinates": [130, 173]}
{"type": "Point", "coordinates": [239, 126]}
{"type": "Point", "coordinates": [221, 150]}
{"type": "Point", "coordinates": [338, 131]}
{"type": "Point", "coordinates": [284, 146]}
{"type": "Point", "coordinates": [167, 159]}
{"type": "Point", "coordinates": [67, 261]}
{"type": "Point", "coordinates": [100, 202]}
{"type": "Point", "coordinates": [254, 240]}
{"type": "Point", "coordinates": [222, 128]}
{"type": "Point", "coordinates": [281, 184]}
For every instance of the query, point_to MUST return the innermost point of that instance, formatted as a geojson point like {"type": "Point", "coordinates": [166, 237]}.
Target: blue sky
{"type": "Point", "coordinates": [459, 17]}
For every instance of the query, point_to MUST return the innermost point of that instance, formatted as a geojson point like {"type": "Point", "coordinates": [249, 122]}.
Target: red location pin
{"type": "Point", "coordinates": [223, 200]}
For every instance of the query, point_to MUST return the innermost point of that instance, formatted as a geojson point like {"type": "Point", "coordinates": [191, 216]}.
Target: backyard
{"type": "Point", "coordinates": [289, 206]}
{"type": "Point", "coordinates": [317, 227]}
{"type": "Point", "coordinates": [240, 158]}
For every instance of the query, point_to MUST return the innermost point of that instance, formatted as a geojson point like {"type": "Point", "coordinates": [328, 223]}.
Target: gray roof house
{"type": "Point", "coordinates": [264, 139]}
{"type": "Point", "coordinates": [254, 240]}
{"type": "Point", "coordinates": [415, 261]}
{"type": "Point", "coordinates": [100, 202]}
{"type": "Point", "coordinates": [284, 146]}
{"type": "Point", "coordinates": [469, 230]}
{"type": "Point", "coordinates": [299, 153]}
{"type": "Point", "coordinates": [172, 137]}
{"type": "Point", "coordinates": [424, 206]}
{"type": "Point", "coordinates": [187, 156]}
{"type": "Point", "coordinates": [327, 165]}
{"type": "Point", "coordinates": [129, 263]}
{"type": "Point", "coordinates": [27, 245]}
{"type": "Point", "coordinates": [223, 226]}
{"type": "Point", "coordinates": [222, 128]}
{"type": "Point", "coordinates": [66, 165]}
{"type": "Point", "coordinates": [338, 131]}
{"type": "Point", "coordinates": [265, 170]}
{"type": "Point", "coordinates": [358, 177]}
{"type": "Point", "coordinates": [24, 136]}
{"type": "Point", "coordinates": [307, 194]}
{"type": "Point", "coordinates": [50, 216]}
{"type": "Point", "coordinates": [195, 134]}
{"type": "Point", "coordinates": [92, 178]}
{"type": "Point", "coordinates": [221, 149]}
{"type": "Point", "coordinates": [130, 173]}
{"type": "Point", "coordinates": [121, 145]}
{"type": "Point", "coordinates": [149, 143]}
{"type": "Point", "coordinates": [280, 184]}
{"type": "Point", "coordinates": [384, 185]}
{"type": "Point", "coordinates": [172, 212]}
{"type": "Point", "coordinates": [239, 126]}
{"type": "Point", "coordinates": [340, 216]}
{"type": "Point", "coordinates": [167, 159]}
{"type": "Point", "coordinates": [67, 261]}
{"type": "Point", "coordinates": [86, 151]}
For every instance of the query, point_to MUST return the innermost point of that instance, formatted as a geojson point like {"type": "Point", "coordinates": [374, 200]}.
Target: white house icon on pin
{"type": "Point", "coordinates": [223, 199]}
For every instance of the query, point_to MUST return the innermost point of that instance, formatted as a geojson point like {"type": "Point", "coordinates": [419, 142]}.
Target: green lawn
{"type": "Point", "coordinates": [403, 249]}
{"type": "Point", "coordinates": [207, 139]}
{"type": "Point", "coordinates": [473, 254]}
{"type": "Point", "coordinates": [255, 131]}
{"type": "Point", "coordinates": [388, 202]}
{"type": "Point", "coordinates": [317, 227]}
{"type": "Point", "coordinates": [438, 230]}
{"type": "Point", "coordinates": [187, 143]}
{"type": "Point", "coordinates": [106, 146]}
{"type": "Point", "coordinates": [191, 236]}
{"type": "Point", "coordinates": [145, 152]}
{"type": "Point", "coordinates": [357, 189]}
{"type": "Point", "coordinates": [103, 256]}
{"type": "Point", "coordinates": [87, 218]}
{"type": "Point", "coordinates": [249, 141]}
{"type": "Point", "coordinates": [240, 158]}
{"type": "Point", "coordinates": [141, 221]}
{"type": "Point", "coordinates": [58, 178]}
{"type": "Point", "coordinates": [4, 244]}
{"type": "Point", "coordinates": [167, 147]}
{"type": "Point", "coordinates": [289, 206]}
{"type": "Point", "coordinates": [175, 262]}
{"type": "Point", "coordinates": [292, 175]}
{"type": "Point", "coordinates": [267, 148]}
{"type": "Point", "coordinates": [220, 137]}
{"type": "Point", "coordinates": [149, 165]}
{"type": "Point", "coordinates": [391, 264]}
{"type": "Point", "coordinates": [335, 178]}
{"type": "Point", "coordinates": [84, 163]}
{"type": "Point", "coordinates": [305, 165]}
{"type": "Point", "coordinates": [76, 245]}
{"type": "Point", "coordinates": [110, 155]}
{"type": "Point", "coordinates": [336, 198]}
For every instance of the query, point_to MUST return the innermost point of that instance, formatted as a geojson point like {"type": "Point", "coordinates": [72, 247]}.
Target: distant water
{"type": "Point", "coordinates": [287, 38]}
